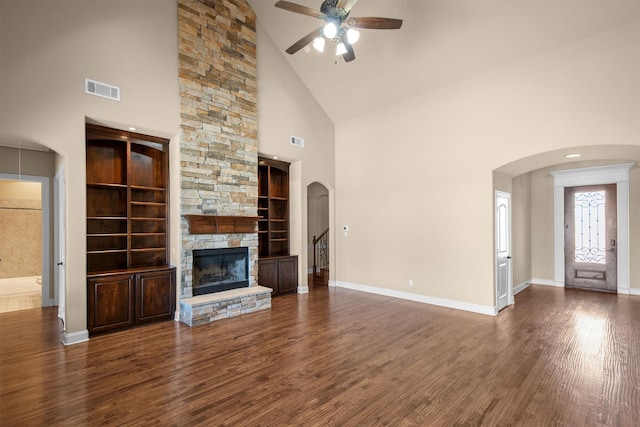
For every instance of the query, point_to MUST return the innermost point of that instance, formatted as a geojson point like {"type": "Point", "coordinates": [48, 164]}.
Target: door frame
{"type": "Point", "coordinates": [59, 241]}
{"type": "Point", "coordinates": [46, 237]}
{"type": "Point", "coordinates": [613, 174]}
{"type": "Point", "coordinates": [510, 299]}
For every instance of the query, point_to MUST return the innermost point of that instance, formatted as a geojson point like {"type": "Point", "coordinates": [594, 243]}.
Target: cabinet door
{"type": "Point", "coordinates": [268, 274]}
{"type": "Point", "coordinates": [155, 295]}
{"type": "Point", "coordinates": [288, 274]}
{"type": "Point", "coordinates": [110, 302]}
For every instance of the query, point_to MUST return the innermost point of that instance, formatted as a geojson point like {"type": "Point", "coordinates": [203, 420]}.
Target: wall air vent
{"type": "Point", "coordinates": [103, 90]}
{"type": "Point", "coordinates": [298, 142]}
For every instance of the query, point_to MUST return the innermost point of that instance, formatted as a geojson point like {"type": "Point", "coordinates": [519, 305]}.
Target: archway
{"type": "Point", "coordinates": [531, 182]}
{"type": "Point", "coordinates": [28, 160]}
{"type": "Point", "coordinates": [318, 234]}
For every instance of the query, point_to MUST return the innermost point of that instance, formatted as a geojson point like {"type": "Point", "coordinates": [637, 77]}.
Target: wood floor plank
{"type": "Point", "coordinates": [337, 357]}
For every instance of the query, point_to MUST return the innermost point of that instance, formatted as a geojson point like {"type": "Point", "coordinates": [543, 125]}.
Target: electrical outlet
{"type": "Point", "coordinates": [410, 282]}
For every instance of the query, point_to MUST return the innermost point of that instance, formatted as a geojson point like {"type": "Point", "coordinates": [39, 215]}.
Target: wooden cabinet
{"type": "Point", "coordinates": [273, 208]}
{"type": "Point", "coordinates": [127, 196]}
{"type": "Point", "coordinates": [276, 268]}
{"type": "Point", "coordinates": [127, 225]}
{"type": "Point", "coordinates": [155, 295]}
{"type": "Point", "coordinates": [110, 302]}
{"type": "Point", "coordinates": [279, 273]}
{"type": "Point", "coordinates": [118, 300]}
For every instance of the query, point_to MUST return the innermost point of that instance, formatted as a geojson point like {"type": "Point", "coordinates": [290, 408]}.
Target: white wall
{"type": "Point", "coordinates": [415, 181]}
{"type": "Point", "coordinates": [48, 48]}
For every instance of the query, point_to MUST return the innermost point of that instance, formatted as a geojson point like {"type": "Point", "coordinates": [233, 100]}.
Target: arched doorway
{"type": "Point", "coordinates": [318, 232]}
{"type": "Point", "coordinates": [538, 243]}
{"type": "Point", "coordinates": [30, 262]}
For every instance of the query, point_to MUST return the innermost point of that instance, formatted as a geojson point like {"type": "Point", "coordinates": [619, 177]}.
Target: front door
{"type": "Point", "coordinates": [591, 237]}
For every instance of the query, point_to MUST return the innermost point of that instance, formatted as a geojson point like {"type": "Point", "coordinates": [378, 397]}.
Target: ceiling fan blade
{"type": "Point", "coordinates": [304, 41]}
{"type": "Point", "coordinates": [298, 8]}
{"type": "Point", "coordinates": [346, 4]}
{"type": "Point", "coordinates": [375, 23]}
{"type": "Point", "coordinates": [350, 55]}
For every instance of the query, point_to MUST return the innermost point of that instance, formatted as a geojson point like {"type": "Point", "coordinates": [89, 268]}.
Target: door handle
{"type": "Point", "coordinates": [60, 263]}
{"type": "Point", "coordinates": [508, 256]}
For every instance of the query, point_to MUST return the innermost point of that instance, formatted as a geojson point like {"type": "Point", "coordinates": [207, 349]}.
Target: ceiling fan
{"type": "Point", "coordinates": [339, 26]}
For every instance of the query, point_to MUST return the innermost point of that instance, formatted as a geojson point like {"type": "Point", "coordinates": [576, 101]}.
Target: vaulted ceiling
{"type": "Point", "coordinates": [440, 43]}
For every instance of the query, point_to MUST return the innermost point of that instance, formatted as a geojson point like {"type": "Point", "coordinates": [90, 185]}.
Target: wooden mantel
{"type": "Point", "coordinates": [218, 224]}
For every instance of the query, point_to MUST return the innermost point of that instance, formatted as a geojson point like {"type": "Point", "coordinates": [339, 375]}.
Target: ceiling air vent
{"type": "Point", "coordinates": [298, 142]}
{"type": "Point", "coordinates": [103, 90]}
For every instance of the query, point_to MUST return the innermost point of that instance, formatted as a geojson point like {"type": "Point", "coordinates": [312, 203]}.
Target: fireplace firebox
{"type": "Point", "coordinates": [217, 270]}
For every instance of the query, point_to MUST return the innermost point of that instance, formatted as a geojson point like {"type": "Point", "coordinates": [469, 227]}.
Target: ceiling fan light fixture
{"type": "Point", "coordinates": [330, 30]}
{"type": "Point", "coordinates": [318, 44]}
{"type": "Point", "coordinates": [353, 35]}
{"type": "Point", "coordinates": [338, 26]}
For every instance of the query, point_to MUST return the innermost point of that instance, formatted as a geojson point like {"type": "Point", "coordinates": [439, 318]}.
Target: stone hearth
{"type": "Point", "coordinates": [203, 309]}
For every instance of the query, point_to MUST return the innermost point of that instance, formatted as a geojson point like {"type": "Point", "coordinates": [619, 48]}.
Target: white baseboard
{"type": "Point", "coordinates": [521, 287]}
{"type": "Point", "coordinates": [75, 337]}
{"type": "Point", "coordinates": [547, 282]}
{"type": "Point", "coordinates": [629, 291]}
{"type": "Point", "coordinates": [303, 289]}
{"type": "Point", "coordinates": [441, 302]}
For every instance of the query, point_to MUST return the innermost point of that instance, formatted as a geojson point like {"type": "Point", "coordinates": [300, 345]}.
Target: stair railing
{"type": "Point", "coordinates": [320, 252]}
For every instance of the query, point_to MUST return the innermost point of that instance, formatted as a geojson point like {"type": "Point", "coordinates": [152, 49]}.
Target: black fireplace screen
{"type": "Point", "coordinates": [216, 270]}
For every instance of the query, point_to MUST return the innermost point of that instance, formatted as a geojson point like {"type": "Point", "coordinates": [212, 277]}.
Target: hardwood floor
{"type": "Point", "coordinates": [336, 357]}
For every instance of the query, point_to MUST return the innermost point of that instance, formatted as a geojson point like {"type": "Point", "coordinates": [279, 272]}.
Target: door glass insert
{"type": "Point", "coordinates": [502, 230]}
{"type": "Point", "coordinates": [590, 224]}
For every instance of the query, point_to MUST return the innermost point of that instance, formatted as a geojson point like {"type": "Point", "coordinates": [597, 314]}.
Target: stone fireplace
{"type": "Point", "coordinates": [218, 149]}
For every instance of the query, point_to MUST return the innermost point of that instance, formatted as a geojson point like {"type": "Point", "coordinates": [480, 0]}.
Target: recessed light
{"type": "Point", "coordinates": [572, 156]}
{"type": "Point", "coordinates": [131, 128]}
{"type": "Point", "coordinates": [275, 157]}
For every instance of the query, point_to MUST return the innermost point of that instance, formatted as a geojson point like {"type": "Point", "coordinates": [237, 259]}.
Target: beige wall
{"type": "Point", "coordinates": [415, 180]}
{"type": "Point", "coordinates": [521, 229]}
{"type": "Point", "coordinates": [541, 193]}
{"type": "Point", "coordinates": [286, 108]}
{"type": "Point", "coordinates": [48, 49]}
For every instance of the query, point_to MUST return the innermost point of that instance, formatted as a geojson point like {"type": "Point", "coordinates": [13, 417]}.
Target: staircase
{"type": "Point", "coordinates": [321, 257]}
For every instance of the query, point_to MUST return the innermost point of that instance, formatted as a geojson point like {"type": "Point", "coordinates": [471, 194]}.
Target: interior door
{"type": "Point", "coordinates": [591, 237]}
{"type": "Point", "coordinates": [503, 249]}
{"type": "Point", "coordinates": [60, 243]}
